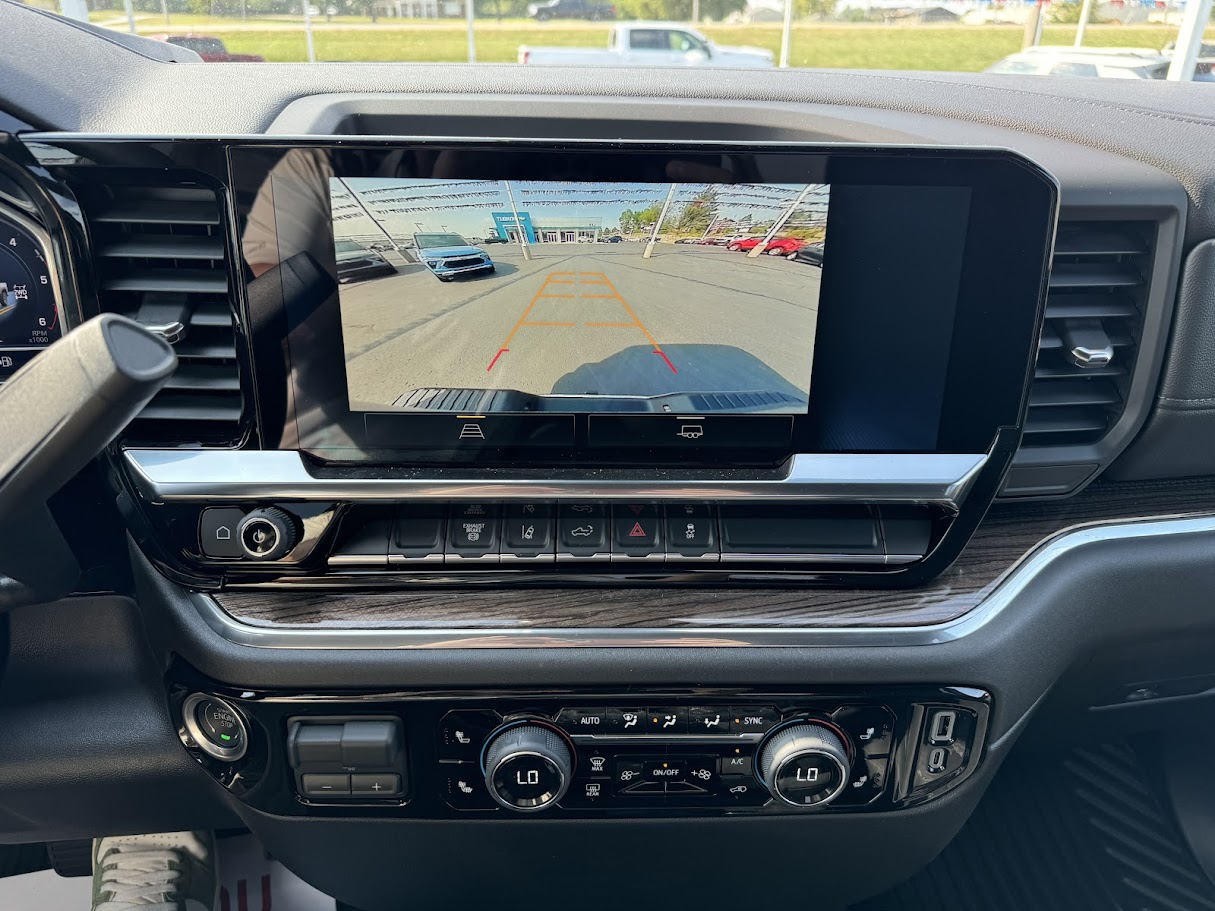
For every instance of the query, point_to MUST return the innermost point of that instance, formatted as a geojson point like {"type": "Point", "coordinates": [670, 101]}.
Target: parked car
{"type": "Point", "coordinates": [1101, 62]}
{"type": "Point", "coordinates": [650, 44]}
{"type": "Point", "coordinates": [356, 263]}
{"type": "Point", "coordinates": [571, 9]}
{"type": "Point", "coordinates": [614, 239]}
{"type": "Point", "coordinates": [687, 240]}
{"type": "Point", "coordinates": [777, 246]}
{"type": "Point", "coordinates": [713, 241]}
{"type": "Point", "coordinates": [450, 255]}
{"type": "Point", "coordinates": [494, 239]}
{"type": "Point", "coordinates": [209, 48]}
{"type": "Point", "coordinates": [810, 254]}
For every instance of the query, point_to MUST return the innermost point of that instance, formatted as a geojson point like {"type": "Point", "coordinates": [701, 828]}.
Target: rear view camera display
{"type": "Point", "coordinates": [529, 296]}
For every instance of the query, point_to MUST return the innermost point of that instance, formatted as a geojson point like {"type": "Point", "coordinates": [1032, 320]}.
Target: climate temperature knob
{"type": "Point", "coordinates": [805, 765]}
{"type": "Point", "coordinates": [528, 767]}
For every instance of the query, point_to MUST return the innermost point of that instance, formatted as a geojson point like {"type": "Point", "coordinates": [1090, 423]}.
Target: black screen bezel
{"type": "Point", "coordinates": [1006, 262]}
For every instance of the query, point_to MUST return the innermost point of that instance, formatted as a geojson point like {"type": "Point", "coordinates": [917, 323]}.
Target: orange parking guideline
{"type": "Point", "coordinates": [583, 278]}
{"type": "Point", "coordinates": [636, 322]}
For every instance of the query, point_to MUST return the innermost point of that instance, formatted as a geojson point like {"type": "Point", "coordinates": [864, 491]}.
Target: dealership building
{"type": "Point", "coordinates": [546, 229]}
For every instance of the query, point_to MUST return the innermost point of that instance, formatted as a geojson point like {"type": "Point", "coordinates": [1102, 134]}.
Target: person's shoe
{"type": "Point", "coordinates": [173, 871]}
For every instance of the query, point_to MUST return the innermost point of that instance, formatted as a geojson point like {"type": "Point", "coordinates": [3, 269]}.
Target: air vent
{"type": "Point", "coordinates": [160, 258]}
{"type": "Point", "coordinates": [1094, 317]}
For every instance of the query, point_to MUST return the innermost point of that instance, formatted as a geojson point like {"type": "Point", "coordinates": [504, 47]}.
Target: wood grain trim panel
{"type": "Point", "coordinates": [1007, 534]}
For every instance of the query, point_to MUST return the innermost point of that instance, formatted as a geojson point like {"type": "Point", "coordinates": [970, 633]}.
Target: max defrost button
{"type": "Point", "coordinates": [217, 533]}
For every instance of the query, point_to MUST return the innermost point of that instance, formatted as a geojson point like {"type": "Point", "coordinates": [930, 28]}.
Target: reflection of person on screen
{"type": "Point", "coordinates": [290, 214]}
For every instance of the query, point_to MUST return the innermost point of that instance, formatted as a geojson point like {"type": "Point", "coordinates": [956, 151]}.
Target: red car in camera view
{"type": "Point", "coordinates": [778, 246]}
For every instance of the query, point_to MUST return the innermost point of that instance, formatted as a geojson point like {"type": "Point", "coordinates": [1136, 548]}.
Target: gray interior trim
{"type": "Point", "coordinates": [172, 475]}
{"type": "Point", "coordinates": [1176, 440]}
{"type": "Point", "coordinates": [1003, 594]}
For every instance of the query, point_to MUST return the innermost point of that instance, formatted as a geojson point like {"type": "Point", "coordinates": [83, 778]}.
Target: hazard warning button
{"type": "Point", "coordinates": [637, 531]}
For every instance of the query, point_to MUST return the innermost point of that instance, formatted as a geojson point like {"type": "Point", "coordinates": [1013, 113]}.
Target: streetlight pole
{"type": "Point", "coordinates": [130, 7]}
{"type": "Point", "coordinates": [1189, 40]}
{"type": "Point", "coordinates": [1086, 9]}
{"type": "Point", "coordinates": [780, 222]}
{"type": "Point", "coordinates": [662, 216]}
{"type": "Point", "coordinates": [524, 245]}
{"type": "Point", "coordinates": [472, 41]}
{"type": "Point", "coordinates": [784, 34]}
{"type": "Point", "coordinates": [308, 31]}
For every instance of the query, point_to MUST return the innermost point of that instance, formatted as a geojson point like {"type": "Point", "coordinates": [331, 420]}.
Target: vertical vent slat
{"type": "Point", "coordinates": [1094, 316]}
{"type": "Point", "coordinates": [160, 258]}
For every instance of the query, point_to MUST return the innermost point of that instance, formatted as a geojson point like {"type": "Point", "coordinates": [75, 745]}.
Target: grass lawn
{"type": "Point", "coordinates": [831, 45]}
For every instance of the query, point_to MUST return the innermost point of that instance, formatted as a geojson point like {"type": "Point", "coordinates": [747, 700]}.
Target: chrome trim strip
{"type": "Point", "coordinates": [219, 476]}
{"type": "Point", "coordinates": [1002, 593]}
{"type": "Point", "coordinates": [872, 559]}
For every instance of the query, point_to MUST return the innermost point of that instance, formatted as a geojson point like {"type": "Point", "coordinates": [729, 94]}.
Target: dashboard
{"type": "Point", "coordinates": [483, 511]}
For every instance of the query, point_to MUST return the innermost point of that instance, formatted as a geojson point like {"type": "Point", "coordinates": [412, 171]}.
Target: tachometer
{"type": "Point", "coordinates": [29, 311]}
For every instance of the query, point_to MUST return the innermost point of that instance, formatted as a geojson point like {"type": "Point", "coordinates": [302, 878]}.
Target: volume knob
{"type": "Point", "coordinates": [528, 767]}
{"type": "Point", "coordinates": [805, 765]}
{"type": "Point", "coordinates": [268, 533]}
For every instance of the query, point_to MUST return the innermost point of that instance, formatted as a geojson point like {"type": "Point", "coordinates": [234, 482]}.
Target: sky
{"type": "Point", "coordinates": [404, 207]}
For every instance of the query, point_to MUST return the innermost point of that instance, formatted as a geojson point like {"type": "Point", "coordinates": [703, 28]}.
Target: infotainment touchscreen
{"type": "Point", "coordinates": [579, 296]}
{"type": "Point", "coordinates": [576, 303]}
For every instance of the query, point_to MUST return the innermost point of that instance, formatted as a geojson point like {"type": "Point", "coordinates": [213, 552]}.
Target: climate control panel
{"type": "Point", "coordinates": [641, 753]}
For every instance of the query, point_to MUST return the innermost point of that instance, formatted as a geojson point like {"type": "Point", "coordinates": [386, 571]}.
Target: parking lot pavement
{"type": "Point", "coordinates": [584, 319]}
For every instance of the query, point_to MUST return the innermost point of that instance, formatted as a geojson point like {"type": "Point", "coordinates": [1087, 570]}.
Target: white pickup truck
{"type": "Point", "coordinates": [650, 44]}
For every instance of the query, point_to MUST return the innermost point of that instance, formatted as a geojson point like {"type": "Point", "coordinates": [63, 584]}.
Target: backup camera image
{"type": "Point", "coordinates": [579, 297]}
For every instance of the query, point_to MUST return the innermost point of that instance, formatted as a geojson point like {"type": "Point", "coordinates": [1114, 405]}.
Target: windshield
{"type": "Point", "coordinates": [440, 240]}
{"type": "Point", "coordinates": [1136, 40]}
{"type": "Point", "coordinates": [348, 246]}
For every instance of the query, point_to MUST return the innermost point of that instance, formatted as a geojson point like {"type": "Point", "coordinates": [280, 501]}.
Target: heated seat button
{"type": "Point", "coordinates": [462, 733]}
{"type": "Point", "coordinates": [463, 787]}
{"type": "Point", "coordinates": [870, 726]}
{"type": "Point", "coordinates": [636, 531]}
{"type": "Point", "coordinates": [217, 533]}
